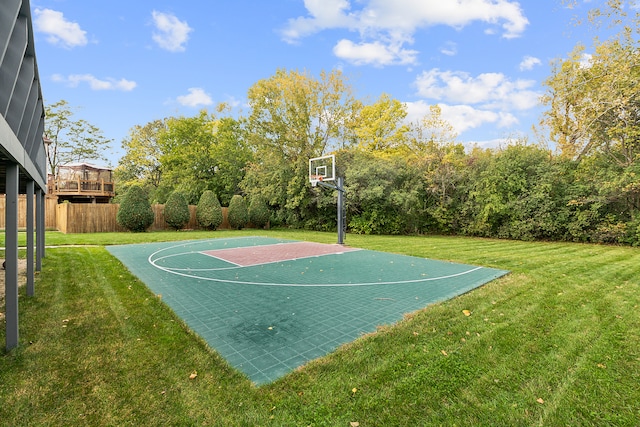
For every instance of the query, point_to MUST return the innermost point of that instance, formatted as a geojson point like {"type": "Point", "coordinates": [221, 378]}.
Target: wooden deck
{"type": "Point", "coordinates": [82, 189]}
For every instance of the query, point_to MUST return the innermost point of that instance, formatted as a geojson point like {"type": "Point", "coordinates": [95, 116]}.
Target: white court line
{"type": "Point", "coordinates": [320, 285]}
{"type": "Point", "coordinates": [242, 282]}
{"type": "Point", "coordinates": [196, 269]}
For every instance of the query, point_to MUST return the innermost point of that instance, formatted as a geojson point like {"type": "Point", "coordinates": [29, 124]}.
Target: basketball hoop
{"type": "Point", "coordinates": [322, 170]}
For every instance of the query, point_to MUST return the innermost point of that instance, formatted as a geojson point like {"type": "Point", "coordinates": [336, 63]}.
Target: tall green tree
{"type": "Point", "coordinates": [201, 153]}
{"type": "Point", "coordinates": [594, 104]}
{"type": "Point", "coordinates": [594, 107]}
{"type": "Point", "coordinates": [72, 139]}
{"type": "Point", "coordinates": [141, 164]}
{"type": "Point", "coordinates": [520, 192]}
{"type": "Point", "coordinates": [383, 193]}
{"type": "Point", "coordinates": [380, 127]}
{"type": "Point", "coordinates": [294, 117]}
{"type": "Point", "coordinates": [592, 95]}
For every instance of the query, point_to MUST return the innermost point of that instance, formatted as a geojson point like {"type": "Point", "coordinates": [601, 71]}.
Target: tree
{"type": "Point", "coordinates": [382, 193]}
{"type": "Point", "coordinates": [141, 161]}
{"type": "Point", "coordinates": [293, 117]}
{"type": "Point", "coordinates": [379, 127]}
{"type": "Point", "coordinates": [520, 193]}
{"type": "Point", "coordinates": [209, 211]}
{"type": "Point", "coordinates": [176, 211]}
{"type": "Point", "coordinates": [238, 213]}
{"type": "Point", "coordinates": [432, 130]}
{"type": "Point", "coordinates": [230, 154]}
{"type": "Point", "coordinates": [594, 107]}
{"type": "Point", "coordinates": [203, 153]}
{"type": "Point", "coordinates": [135, 213]}
{"type": "Point", "coordinates": [593, 100]}
{"type": "Point", "coordinates": [72, 140]}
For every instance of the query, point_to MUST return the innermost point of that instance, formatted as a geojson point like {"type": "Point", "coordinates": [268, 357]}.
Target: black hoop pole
{"type": "Point", "coordinates": [341, 207]}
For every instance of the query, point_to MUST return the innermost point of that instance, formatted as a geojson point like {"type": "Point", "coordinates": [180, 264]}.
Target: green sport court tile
{"type": "Point", "coordinates": [268, 311]}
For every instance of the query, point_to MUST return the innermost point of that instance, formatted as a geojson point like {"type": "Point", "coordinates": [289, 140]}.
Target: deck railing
{"type": "Point", "coordinates": [82, 187]}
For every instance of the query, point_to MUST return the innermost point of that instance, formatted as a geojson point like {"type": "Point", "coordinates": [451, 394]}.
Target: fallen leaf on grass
{"type": "Point", "coordinates": [601, 366]}
{"type": "Point", "coordinates": [193, 375]}
{"type": "Point", "coordinates": [354, 424]}
{"type": "Point", "coordinates": [354, 390]}
{"type": "Point", "coordinates": [466, 313]}
{"type": "Point", "coordinates": [540, 400]}
{"type": "Point", "coordinates": [444, 352]}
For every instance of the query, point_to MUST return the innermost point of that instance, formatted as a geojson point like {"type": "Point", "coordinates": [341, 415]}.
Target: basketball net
{"type": "Point", "coordinates": [314, 179]}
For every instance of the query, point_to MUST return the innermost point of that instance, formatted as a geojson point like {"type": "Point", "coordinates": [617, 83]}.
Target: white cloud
{"type": "Point", "coordinates": [324, 14]}
{"type": "Point", "coordinates": [171, 34]}
{"type": "Point", "coordinates": [74, 80]}
{"type": "Point", "coordinates": [375, 53]}
{"type": "Point", "coordinates": [461, 117]}
{"type": "Point", "coordinates": [489, 90]}
{"type": "Point", "coordinates": [449, 49]}
{"type": "Point", "coordinates": [405, 16]}
{"type": "Point", "coordinates": [528, 62]}
{"type": "Point", "coordinates": [59, 31]}
{"type": "Point", "coordinates": [468, 102]}
{"type": "Point", "coordinates": [385, 26]}
{"type": "Point", "coordinates": [586, 60]}
{"type": "Point", "coordinates": [197, 97]}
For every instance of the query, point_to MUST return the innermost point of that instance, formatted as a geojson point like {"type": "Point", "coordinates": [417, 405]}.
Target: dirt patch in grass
{"type": "Point", "coordinates": [22, 279]}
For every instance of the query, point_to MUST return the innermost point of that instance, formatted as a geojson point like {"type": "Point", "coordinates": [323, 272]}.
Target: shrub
{"type": "Point", "coordinates": [238, 212]}
{"type": "Point", "coordinates": [135, 213]}
{"type": "Point", "coordinates": [209, 211]}
{"type": "Point", "coordinates": [258, 212]}
{"type": "Point", "coordinates": [176, 210]}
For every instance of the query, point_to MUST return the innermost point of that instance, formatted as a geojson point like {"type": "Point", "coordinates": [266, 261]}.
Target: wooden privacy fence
{"type": "Point", "coordinates": [50, 204]}
{"type": "Point", "coordinates": [90, 217]}
{"type": "Point", "coordinates": [101, 217]}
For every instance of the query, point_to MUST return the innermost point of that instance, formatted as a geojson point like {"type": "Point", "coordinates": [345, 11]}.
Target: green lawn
{"type": "Point", "coordinates": [556, 342]}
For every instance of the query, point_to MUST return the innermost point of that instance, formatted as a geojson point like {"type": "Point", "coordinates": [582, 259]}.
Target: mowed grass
{"type": "Point", "coordinates": [556, 342]}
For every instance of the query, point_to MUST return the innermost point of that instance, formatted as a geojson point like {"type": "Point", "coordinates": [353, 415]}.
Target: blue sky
{"type": "Point", "coordinates": [125, 63]}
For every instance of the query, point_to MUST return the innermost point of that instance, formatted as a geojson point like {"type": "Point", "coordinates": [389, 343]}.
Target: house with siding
{"type": "Point", "coordinates": [22, 151]}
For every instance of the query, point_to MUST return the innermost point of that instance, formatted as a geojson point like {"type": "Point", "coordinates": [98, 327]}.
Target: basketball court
{"type": "Point", "coordinates": [270, 305]}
